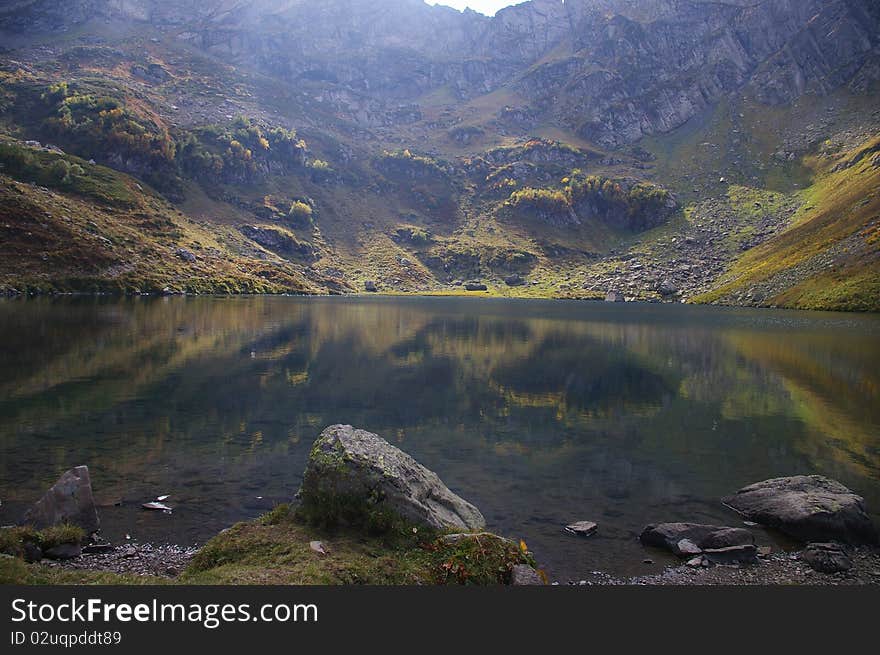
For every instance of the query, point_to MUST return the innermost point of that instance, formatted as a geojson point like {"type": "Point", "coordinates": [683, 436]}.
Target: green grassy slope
{"type": "Point", "coordinates": [829, 258]}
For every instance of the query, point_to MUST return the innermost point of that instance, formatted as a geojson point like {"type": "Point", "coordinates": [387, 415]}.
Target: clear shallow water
{"type": "Point", "coordinates": [541, 413]}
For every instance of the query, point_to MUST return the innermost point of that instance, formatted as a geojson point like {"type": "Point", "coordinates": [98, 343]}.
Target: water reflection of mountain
{"type": "Point", "coordinates": [516, 404]}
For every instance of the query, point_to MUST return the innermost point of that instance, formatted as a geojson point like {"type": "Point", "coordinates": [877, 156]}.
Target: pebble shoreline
{"type": "Point", "coordinates": [161, 560]}
{"type": "Point", "coordinates": [784, 568]}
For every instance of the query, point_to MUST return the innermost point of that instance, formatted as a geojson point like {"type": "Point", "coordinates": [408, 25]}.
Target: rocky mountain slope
{"type": "Point", "coordinates": [647, 147]}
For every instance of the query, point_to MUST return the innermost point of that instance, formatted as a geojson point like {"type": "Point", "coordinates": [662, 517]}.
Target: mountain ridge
{"type": "Point", "coordinates": [478, 134]}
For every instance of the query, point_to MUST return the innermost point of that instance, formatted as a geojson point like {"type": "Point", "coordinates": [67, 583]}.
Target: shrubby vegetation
{"type": "Point", "coordinates": [300, 212]}
{"type": "Point", "coordinates": [412, 234]}
{"type": "Point", "coordinates": [407, 164]}
{"type": "Point", "coordinates": [541, 151]}
{"type": "Point", "coordinates": [321, 170]}
{"type": "Point", "coordinates": [239, 153]}
{"type": "Point", "coordinates": [57, 171]}
{"type": "Point", "coordinates": [544, 201]}
{"type": "Point", "coordinates": [95, 123]}
{"type": "Point", "coordinates": [637, 207]}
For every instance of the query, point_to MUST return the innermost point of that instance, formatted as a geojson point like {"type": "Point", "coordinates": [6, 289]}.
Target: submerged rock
{"type": "Point", "coordinates": [688, 539]}
{"type": "Point", "coordinates": [69, 500]}
{"type": "Point", "coordinates": [355, 476]}
{"type": "Point", "coordinates": [582, 528]}
{"type": "Point", "coordinates": [807, 507]}
{"type": "Point", "coordinates": [827, 558]}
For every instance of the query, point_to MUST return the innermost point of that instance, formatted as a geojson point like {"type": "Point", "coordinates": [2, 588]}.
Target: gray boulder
{"type": "Point", "coordinates": [68, 501]}
{"type": "Point", "coordinates": [688, 539]}
{"type": "Point", "coordinates": [370, 286]}
{"type": "Point", "coordinates": [355, 476]}
{"type": "Point", "coordinates": [476, 286]}
{"type": "Point", "coordinates": [826, 558]}
{"type": "Point", "coordinates": [808, 508]}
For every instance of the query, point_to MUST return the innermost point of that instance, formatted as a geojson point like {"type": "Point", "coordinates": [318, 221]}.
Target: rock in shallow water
{"type": "Point", "coordinates": [69, 500]}
{"type": "Point", "coordinates": [355, 476]}
{"type": "Point", "coordinates": [807, 507]}
{"type": "Point", "coordinates": [582, 528]}
{"type": "Point", "coordinates": [686, 539]}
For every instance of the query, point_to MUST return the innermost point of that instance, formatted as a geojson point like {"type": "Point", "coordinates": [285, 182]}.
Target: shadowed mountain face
{"type": "Point", "coordinates": [613, 70]}
{"type": "Point", "coordinates": [555, 149]}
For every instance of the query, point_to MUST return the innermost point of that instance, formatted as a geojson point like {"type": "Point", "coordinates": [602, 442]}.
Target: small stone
{"type": "Point", "coordinates": [162, 507]}
{"type": "Point", "coordinates": [318, 547]}
{"type": "Point", "coordinates": [582, 528]}
{"type": "Point", "coordinates": [687, 547]}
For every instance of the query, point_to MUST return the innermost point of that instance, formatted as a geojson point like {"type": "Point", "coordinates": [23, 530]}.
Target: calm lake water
{"type": "Point", "coordinates": [541, 413]}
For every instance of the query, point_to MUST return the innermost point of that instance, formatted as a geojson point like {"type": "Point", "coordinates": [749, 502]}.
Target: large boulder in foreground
{"type": "Point", "coordinates": [688, 539]}
{"type": "Point", "coordinates": [355, 476]}
{"type": "Point", "coordinates": [68, 501]}
{"type": "Point", "coordinates": [808, 508]}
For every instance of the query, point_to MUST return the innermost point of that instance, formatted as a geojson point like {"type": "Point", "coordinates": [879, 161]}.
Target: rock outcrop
{"type": "Point", "coordinates": [808, 508]}
{"type": "Point", "coordinates": [68, 501]}
{"type": "Point", "coordinates": [620, 69]}
{"type": "Point", "coordinates": [356, 477]}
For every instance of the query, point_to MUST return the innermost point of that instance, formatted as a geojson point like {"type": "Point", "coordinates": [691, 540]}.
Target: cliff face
{"type": "Point", "coordinates": [613, 70]}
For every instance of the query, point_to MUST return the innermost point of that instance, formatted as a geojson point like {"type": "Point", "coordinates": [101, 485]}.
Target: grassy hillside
{"type": "Point", "coordinates": [829, 258]}
{"type": "Point", "coordinates": [71, 226]}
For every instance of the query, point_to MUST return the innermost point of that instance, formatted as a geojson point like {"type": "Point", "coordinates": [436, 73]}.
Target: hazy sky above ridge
{"type": "Point", "coordinates": [488, 7]}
